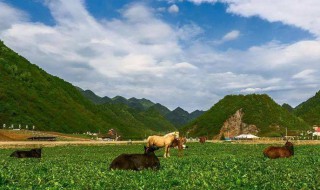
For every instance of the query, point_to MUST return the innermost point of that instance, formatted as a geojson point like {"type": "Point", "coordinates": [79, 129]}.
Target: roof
{"type": "Point", "coordinates": [246, 136]}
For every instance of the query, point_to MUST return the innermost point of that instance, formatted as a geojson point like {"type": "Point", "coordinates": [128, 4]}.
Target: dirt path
{"type": "Point", "coordinates": [32, 144]}
{"type": "Point", "coordinates": [56, 134]}
{"type": "Point", "coordinates": [4, 137]}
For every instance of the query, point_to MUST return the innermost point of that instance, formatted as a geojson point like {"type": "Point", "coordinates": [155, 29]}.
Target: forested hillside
{"type": "Point", "coordinates": [310, 110]}
{"type": "Point", "coordinates": [177, 118]}
{"type": "Point", "coordinates": [260, 110]}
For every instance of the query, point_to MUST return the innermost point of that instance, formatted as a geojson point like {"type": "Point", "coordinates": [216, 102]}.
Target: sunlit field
{"type": "Point", "coordinates": [208, 166]}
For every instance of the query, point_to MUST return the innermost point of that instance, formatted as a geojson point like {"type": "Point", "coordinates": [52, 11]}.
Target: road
{"type": "Point", "coordinates": [31, 144]}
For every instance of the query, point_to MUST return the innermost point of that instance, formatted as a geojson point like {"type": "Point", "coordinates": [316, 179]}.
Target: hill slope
{"type": "Point", "coordinates": [259, 110]}
{"type": "Point", "coordinates": [30, 96]}
{"type": "Point", "coordinates": [310, 110]}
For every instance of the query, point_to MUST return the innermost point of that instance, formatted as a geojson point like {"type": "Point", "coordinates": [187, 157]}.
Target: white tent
{"type": "Point", "coordinates": [246, 136]}
{"type": "Point", "coordinates": [316, 134]}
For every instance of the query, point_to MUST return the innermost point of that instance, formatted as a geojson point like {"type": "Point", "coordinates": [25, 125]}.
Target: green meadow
{"type": "Point", "coordinates": [208, 166]}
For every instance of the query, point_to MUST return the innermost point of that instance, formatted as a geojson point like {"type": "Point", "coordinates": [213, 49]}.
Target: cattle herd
{"type": "Point", "coordinates": [148, 160]}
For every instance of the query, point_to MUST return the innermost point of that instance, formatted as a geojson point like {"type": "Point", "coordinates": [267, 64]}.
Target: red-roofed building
{"type": "Point", "coordinates": [316, 131]}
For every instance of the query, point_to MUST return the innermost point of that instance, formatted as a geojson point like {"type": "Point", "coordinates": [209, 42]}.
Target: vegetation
{"type": "Point", "coordinates": [203, 166]}
{"type": "Point", "coordinates": [260, 110]}
{"type": "Point", "coordinates": [310, 110]}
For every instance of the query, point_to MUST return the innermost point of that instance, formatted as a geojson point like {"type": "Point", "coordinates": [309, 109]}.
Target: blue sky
{"type": "Point", "coordinates": [187, 53]}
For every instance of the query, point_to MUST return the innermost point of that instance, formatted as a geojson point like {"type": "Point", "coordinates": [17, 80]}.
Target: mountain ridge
{"type": "Point", "coordinates": [270, 118]}
{"type": "Point", "coordinates": [178, 117]}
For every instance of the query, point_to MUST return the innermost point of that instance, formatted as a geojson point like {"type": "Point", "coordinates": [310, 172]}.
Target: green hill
{"type": "Point", "coordinates": [260, 110]}
{"type": "Point", "coordinates": [142, 110]}
{"type": "Point", "coordinates": [310, 110]}
{"type": "Point", "coordinates": [138, 104]}
{"type": "Point", "coordinates": [94, 98]}
{"type": "Point", "coordinates": [195, 114]}
{"type": "Point", "coordinates": [177, 117]}
{"type": "Point", "coordinates": [30, 96]}
{"type": "Point", "coordinates": [161, 109]}
{"type": "Point", "coordinates": [288, 107]}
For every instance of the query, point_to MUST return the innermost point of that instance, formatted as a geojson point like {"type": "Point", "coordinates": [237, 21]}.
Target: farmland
{"type": "Point", "coordinates": [208, 166]}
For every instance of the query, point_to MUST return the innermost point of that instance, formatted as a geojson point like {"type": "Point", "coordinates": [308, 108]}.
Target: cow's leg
{"type": "Point", "coordinates": [165, 152]}
{"type": "Point", "coordinates": [168, 151]}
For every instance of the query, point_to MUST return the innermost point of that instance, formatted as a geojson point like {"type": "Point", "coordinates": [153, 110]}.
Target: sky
{"type": "Point", "coordinates": [179, 53]}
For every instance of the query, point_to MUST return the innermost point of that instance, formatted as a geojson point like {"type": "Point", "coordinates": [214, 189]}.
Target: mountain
{"type": "Point", "coordinates": [310, 110]}
{"type": "Point", "coordinates": [195, 114]}
{"type": "Point", "coordinates": [30, 96]}
{"type": "Point", "coordinates": [235, 114]}
{"type": "Point", "coordinates": [177, 117]}
{"type": "Point", "coordinates": [160, 108]}
{"type": "Point", "coordinates": [94, 98]}
{"type": "Point", "coordinates": [139, 104]}
{"type": "Point", "coordinates": [146, 104]}
{"type": "Point", "coordinates": [288, 107]}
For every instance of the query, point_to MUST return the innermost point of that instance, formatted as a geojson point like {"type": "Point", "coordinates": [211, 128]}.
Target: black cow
{"type": "Point", "coordinates": [137, 161]}
{"type": "Point", "coordinates": [33, 153]}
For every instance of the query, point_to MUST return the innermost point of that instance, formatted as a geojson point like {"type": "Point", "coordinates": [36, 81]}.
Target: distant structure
{"type": "Point", "coordinates": [316, 131]}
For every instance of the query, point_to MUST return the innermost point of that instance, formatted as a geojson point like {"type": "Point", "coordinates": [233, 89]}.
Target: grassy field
{"type": "Point", "coordinates": [208, 166]}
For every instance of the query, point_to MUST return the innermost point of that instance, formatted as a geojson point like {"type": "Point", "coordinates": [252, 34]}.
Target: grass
{"type": "Point", "coordinates": [208, 166]}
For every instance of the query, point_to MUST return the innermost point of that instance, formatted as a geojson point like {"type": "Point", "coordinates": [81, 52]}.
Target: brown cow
{"type": "Point", "coordinates": [202, 140]}
{"type": "Point", "coordinates": [279, 152]}
{"type": "Point", "coordinates": [180, 144]}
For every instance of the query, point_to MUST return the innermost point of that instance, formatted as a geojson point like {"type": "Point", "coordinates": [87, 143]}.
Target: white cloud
{"type": "Point", "coordinates": [202, 1]}
{"type": "Point", "coordinates": [303, 74]}
{"type": "Point", "coordinates": [189, 32]}
{"type": "Point", "coordinates": [230, 36]}
{"type": "Point", "coordinates": [9, 16]}
{"type": "Point", "coordinates": [307, 76]}
{"type": "Point", "coordinates": [173, 9]}
{"type": "Point", "coordinates": [234, 34]}
{"type": "Point", "coordinates": [293, 12]}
